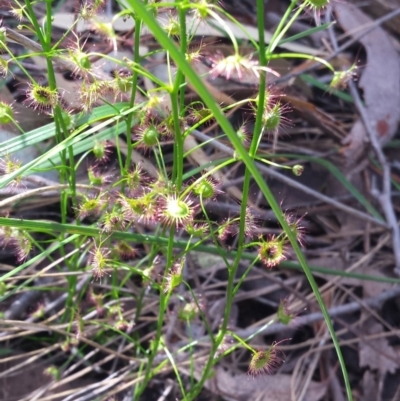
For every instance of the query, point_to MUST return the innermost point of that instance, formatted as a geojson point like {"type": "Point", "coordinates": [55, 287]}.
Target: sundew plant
{"type": "Point", "coordinates": [141, 208]}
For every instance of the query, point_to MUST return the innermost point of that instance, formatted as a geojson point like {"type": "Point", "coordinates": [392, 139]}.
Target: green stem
{"type": "Point", "coordinates": [195, 80]}
{"type": "Point", "coordinates": [135, 75]}
{"type": "Point", "coordinates": [60, 129]}
{"type": "Point", "coordinates": [178, 103]}
{"type": "Point", "coordinates": [302, 56]}
{"type": "Point", "coordinates": [180, 78]}
{"type": "Point", "coordinates": [177, 171]}
{"type": "Point", "coordinates": [283, 26]}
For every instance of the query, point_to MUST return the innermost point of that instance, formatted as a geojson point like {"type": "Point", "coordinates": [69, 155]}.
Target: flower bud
{"type": "Point", "coordinates": [298, 169]}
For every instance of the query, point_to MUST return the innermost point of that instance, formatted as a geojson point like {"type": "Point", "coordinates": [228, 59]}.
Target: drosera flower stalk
{"type": "Point", "coordinates": [142, 12]}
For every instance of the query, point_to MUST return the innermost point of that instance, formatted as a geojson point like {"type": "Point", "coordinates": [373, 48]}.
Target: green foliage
{"type": "Point", "coordinates": [171, 201]}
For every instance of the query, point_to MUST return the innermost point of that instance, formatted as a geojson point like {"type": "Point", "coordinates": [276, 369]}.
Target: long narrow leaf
{"type": "Point", "coordinates": [210, 102]}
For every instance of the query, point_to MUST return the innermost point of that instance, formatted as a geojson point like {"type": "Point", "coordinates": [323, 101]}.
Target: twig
{"type": "Point", "coordinates": [384, 198]}
{"type": "Point", "coordinates": [274, 328]}
{"type": "Point", "coordinates": [340, 49]}
{"type": "Point", "coordinates": [289, 181]}
{"type": "Point", "coordinates": [99, 388]}
{"type": "Point", "coordinates": [60, 63]}
{"type": "Point", "coordinates": [53, 190]}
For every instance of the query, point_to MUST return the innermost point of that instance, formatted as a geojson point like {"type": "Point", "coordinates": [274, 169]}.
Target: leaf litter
{"type": "Point", "coordinates": [380, 78]}
{"type": "Point", "coordinates": [380, 82]}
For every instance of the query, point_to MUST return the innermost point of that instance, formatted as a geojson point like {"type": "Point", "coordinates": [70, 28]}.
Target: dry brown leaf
{"type": "Point", "coordinates": [372, 289]}
{"type": "Point", "coordinates": [380, 80]}
{"type": "Point", "coordinates": [24, 382]}
{"type": "Point", "coordinates": [335, 262]}
{"type": "Point", "coordinates": [377, 354]}
{"type": "Point", "coordinates": [241, 387]}
{"type": "Point", "coordinates": [370, 386]}
{"type": "Point", "coordinates": [316, 116]}
{"type": "Point", "coordinates": [379, 8]}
